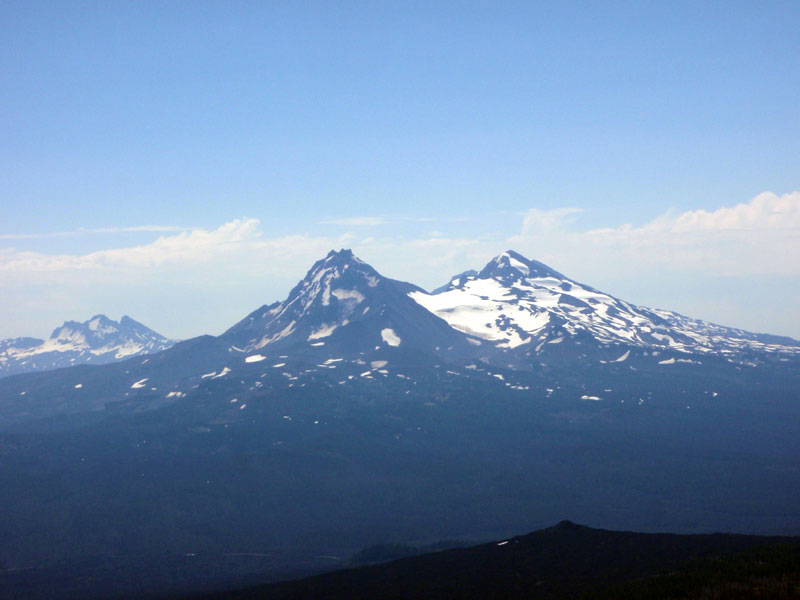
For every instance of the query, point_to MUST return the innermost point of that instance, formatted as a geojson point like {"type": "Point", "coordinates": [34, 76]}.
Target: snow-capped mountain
{"type": "Point", "coordinates": [517, 325]}
{"type": "Point", "coordinates": [98, 340]}
{"type": "Point", "coordinates": [345, 305]}
{"type": "Point", "coordinates": [517, 303]}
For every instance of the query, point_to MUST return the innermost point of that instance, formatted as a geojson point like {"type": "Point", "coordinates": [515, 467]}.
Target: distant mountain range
{"type": "Point", "coordinates": [514, 320]}
{"type": "Point", "coordinates": [97, 341]}
{"type": "Point", "coordinates": [513, 310]}
{"type": "Point", "coordinates": [510, 312]}
{"type": "Point", "coordinates": [362, 410]}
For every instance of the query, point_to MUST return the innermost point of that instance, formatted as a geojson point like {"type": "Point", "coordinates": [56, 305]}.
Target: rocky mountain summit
{"type": "Point", "coordinates": [96, 341]}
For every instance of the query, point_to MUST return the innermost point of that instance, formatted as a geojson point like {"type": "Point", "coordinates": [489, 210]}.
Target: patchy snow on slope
{"type": "Point", "coordinates": [324, 331]}
{"type": "Point", "coordinates": [623, 358]}
{"type": "Point", "coordinates": [274, 338]}
{"type": "Point", "coordinates": [390, 337]}
{"type": "Point", "coordinates": [513, 301]}
{"type": "Point", "coordinates": [486, 309]}
{"type": "Point", "coordinates": [353, 295]}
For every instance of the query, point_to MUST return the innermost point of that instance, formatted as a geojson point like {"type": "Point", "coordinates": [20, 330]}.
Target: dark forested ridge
{"type": "Point", "coordinates": [566, 561]}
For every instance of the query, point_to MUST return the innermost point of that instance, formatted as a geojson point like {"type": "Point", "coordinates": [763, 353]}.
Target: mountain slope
{"type": "Point", "coordinates": [96, 341]}
{"type": "Point", "coordinates": [523, 305]}
{"type": "Point", "coordinates": [345, 305]}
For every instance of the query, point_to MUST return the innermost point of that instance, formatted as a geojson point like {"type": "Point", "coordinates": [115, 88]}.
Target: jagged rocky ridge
{"type": "Point", "coordinates": [98, 340]}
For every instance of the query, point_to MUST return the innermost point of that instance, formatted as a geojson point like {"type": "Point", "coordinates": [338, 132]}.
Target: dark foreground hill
{"type": "Point", "coordinates": [568, 561]}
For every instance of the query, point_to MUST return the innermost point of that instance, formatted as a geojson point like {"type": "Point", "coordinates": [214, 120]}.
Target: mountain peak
{"type": "Point", "coordinates": [511, 264]}
{"type": "Point", "coordinates": [343, 303]}
{"type": "Point", "coordinates": [342, 258]}
{"type": "Point", "coordinates": [100, 331]}
{"type": "Point", "coordinates": [336, 265]}
{"type": "Point", "coordinates": [97, 340]}
{"type": "Point", "coordinates": [342, 253]}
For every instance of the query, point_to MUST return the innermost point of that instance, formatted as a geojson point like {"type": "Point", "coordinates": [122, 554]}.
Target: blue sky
{"type": "Point", "coordinates": [186, 162]}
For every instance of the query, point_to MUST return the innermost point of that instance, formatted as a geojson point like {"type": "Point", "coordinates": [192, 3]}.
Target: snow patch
{"type": "Point", "coordinates": [324, 331]}
{"type": "Point", "coordinates": [139, 384]}
{"type": "Point", "coordinates": [225, 371]}
{"type": "Point", "coordinates": [274, 338]}
{"type": "Point", "coordinates": [340, 294]}
{"type": "Point", "coordinates": [254, 358]}
{"type": "Point", "coordinates": [390, 337]}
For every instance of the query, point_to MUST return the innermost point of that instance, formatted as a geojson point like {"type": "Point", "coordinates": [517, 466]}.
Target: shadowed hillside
{"type": "Point", "coordinates": [569, 561]}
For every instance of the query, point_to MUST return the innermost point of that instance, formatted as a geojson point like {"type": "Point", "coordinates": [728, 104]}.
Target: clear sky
{"type": "Point", "coordinates": [185, 162]}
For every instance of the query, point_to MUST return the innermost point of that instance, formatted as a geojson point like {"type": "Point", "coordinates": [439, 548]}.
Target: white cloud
{"type": "Point", "coordinates": [547, 221]}
{"type": "Point", "coordinates": [186, 246]}
{"type": "Point", "coordinates": [766, 211]}
{"type": "Point", "coordinates": [53, 234]}
{"type": "Point", "coordinates": [216, 276]}
{"type": "Point", "coordinates": [373, 221]}
{"type": "Point", "coordinates": [760, 237]}
{"type": "Point", "coordinates": [356, 221]}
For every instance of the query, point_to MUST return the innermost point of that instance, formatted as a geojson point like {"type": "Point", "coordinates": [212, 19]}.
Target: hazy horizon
{"type": "Point", "coordinates": [184, 165]}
